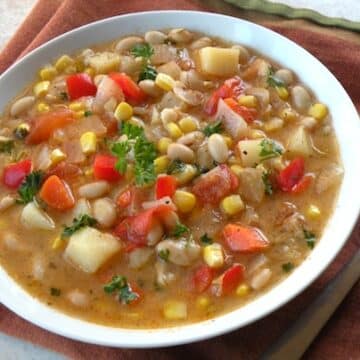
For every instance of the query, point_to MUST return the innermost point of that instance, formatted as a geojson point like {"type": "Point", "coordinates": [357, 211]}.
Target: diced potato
{"type": "Point", "coordinates": [218, 61]}
{"type": "Point", "coordinates": [175, 310]}
{"type": "Point", "coordinates": [89, 248]}
{"type": "Point", "coordinates": [105, 62]}
{"type": "Point", "coordinates": [300, 143]}
{"type": "Point", "coordinates": [250, 152]}
{"type": "Point", "coordinates": [34, 218]}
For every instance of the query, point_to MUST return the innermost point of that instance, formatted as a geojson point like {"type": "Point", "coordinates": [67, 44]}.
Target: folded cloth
{"type": "Point", "coordinates": [340, 51]}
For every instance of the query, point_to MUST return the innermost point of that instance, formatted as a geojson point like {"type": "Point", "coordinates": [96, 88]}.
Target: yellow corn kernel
{"type": "Point", "coordinates": [41, 88]}
{"type": "Point", "coordinates": [89, 172]}
{"type": "Point", "coordinates": [47, 73]}
{"type": "Point", "coordinates": [288, 114]}
{"type": "Point", "coordinates": [58, 243]}
{"type": "Point", "coordinates": [57, 156]}
{"type": "Point", "coordinates": [318, 111]}
{"type": "Point", "coordinates": [42, 107]}
{"type": "Point", "coordinates": [256, 134]}
{"type": "Point", "coordinates": [242, 290]}
{"type": "Point", "coordinates": [70, 70]}
{"type": "Point", "coordinates": [237, 169]}
{"type": "Point", "coordinates": [313, 212]}
{"type": "Point", "coordinates": [248, 101]}
{"type": "Point", "coordinates": [188, 124]}
{"type": "Point", "coordinates": [63, 62]}
{"type": "Point", "coordinates": [175, 310]}
{"type": "Point", "coordinates": [76, 106]}
{"type": "Point", "coordinates": [164, 81]}
{"type": "Point", "coordinates": [79, 114]}
{"type": "Point", "coordinates": [273, 124]}
{"type": "Point", "coordinates": [173, 130]}
{"type": "Point", "coordinates": [203, 302]}
{"type": "Point", "coordinates": [213, 255]}
{"type": "Point", "coordinates": [186, 175]}
{"type": "Point", "coordinates": [90, 71]}
{"type": "Point", "coordinates": [79, 64]}
{"type": "Point", "coordinates": [161, 163]}
{"type": "Point", "coordinates": [232, 205]}
{"type": "Point", "coordinates": [123, 111]}
{"type": "Point", "coordinates": [228, 140]}
{"type": "Point", "coordinates": [282, 92]}
{"type": "Point", "coordinates": [184, 200]}
{"type": "Point", "coordinates": [88, 142]}
{"type": "Point", "coordinates": [163, 145]}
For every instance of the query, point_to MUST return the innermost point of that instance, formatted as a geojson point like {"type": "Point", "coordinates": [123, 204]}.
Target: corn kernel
{"type": "Point", "coordinates": [123, 111]}
{"type": "Point", "coordinates": [242, 290]}
{"type": "Point", "coordinates": [90, 71]}
{"type": "Point", "coordinates": [188, 124]}
{"type": "Point", "coordinates": [76, 106]}
{"type": "Point", "coordinates": [163, 145]}
{"type": "Point", "coordinates": [313, 212]}
{"type": "Point", "coordinates": [47, 73]}
{"type": "Point", "coordinates": [70, 70]}
{"type": "Point", "coordinates": [174, 130]}
{"type": "Point", "coordinates": [42, 107]}
{"type": "Point", "coordinates": [79, 64]}
{"type": "Point", "coordinates": [288, 114]}
{"type": "Point", "coordinates": [89, 172]}
{"type": "Point", "coordinates": [282, 92]}
{"type": "Point", "coordinates": [213, 255]}
{"type": "Point", "coordinates": [184, 200]}
{"type": "Point", "coordinates": [232, 205]}
{"type": "Point", "coordinates": [88, 142]}
{"type": "Point", "coordinates": [175, 310]}
{"type": "Point", "coordinates": [237, 169]}
{"type": "Point", "coordinates": [57, 156]}
{"type": "Point", "coordinates": [63, 62]}
{"type": "Point", "coordinates": [203, 302]}
{"type": "Point", "coordinates": [248, 101]}
{"type": "Point", "coordinates": [228, 140]}
{"type": "Point", "coordinates": [164, 81]}
{"type": "Point", "coordinates": [79, 114]}
{"type": "Point", "coordinates": [273, 124]}
{"type": "Point", "coordinates": [256, 134]}
{"type": "Point", "coordinates": [318, 111]}
{"type": "Point", "coordinates": [161, 163]}
{"type": "Point", "coordinates": [41, 88]}
{"type": "Point", "coordinates": [58, 243]}
{"type": "Point", "coordinates": [188, 173]}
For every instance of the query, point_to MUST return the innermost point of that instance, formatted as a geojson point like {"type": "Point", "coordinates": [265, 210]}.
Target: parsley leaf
{"type": "Point", "coordinates": [148, 73]}
{"type": "Point", "coordinates": [88, 113]}
{"type": "Point", "coordinates": [164, 254]}
{"type": "Point", "coordinates": [120, 285]}
{"type": "Point", "coordinates": [213, 128]}
{"type": "Point", "coordinates": [30, 186]}
{"type": "Point", "coordinates": [267, 183]}
{"type": "Point", "coordinates": [273, 81]}
{"type": "Point", "coordinates": [55, 291]}
{"type": "Point", "coordinates": [270, 149]}
{"type": "Point", "coordinates": [206, 240]}
{"type": "Point", "coordinates": [120, 149]}
{"type": "Point", "coordinates": [6, 145]}
{"type": "Point", "coordinates": [78, 223]}
{"type": "Point", "coordinates": [287, 267]}
{"type": "Point", "coordinates": [144, 50]}
{"type": "Point", "coordinates": [180, 229]}
{"type": "Point", "coordinates": [176, 166]}
{"type": "Point", "coordinates": [131, 131]}
{"type": "Point", "coordinates": [310, 238]}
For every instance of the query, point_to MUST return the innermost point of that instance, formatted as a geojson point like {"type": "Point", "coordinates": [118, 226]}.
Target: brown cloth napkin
{"type": "Point", "coordinates": [339, 50]}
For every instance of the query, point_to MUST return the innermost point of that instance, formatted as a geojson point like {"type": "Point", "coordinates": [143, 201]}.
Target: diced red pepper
{"type": "Point", "coordinates": [124, 199]}
{"type": "Point", "coordinates": [236, 85]}
{"type": "Point", "coordinates": [202, 278]}
{"type": "Point", "coordinates": [291, 175]}
{"type": "Point", "coordinates": [14, 174]}
{"type": "Point", "coordinates": [231, 278]}
{"type": "Point", "coordinates": [165, 186]}
{"type": "Point", "coordinates": [79, 85]}
{"type": "Point", "coordinates": [130, 88]}
{"type": "Point", "coordinates": [248, 114]}
{"type": "Point", "coordinates": [104, 168]}
{"type": "Point", "coordinates": [303, 184]}
{"type": "Point", "coordinates": [137, 292]}
{"type": "Point", "coordinates": [244, 239]}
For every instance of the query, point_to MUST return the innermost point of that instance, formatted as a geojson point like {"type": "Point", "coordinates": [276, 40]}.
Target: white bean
{"type": "Point", "coordinates": [128, 43]}
{"type": "Point", "coordinates": [200, 43]}
{"type": "Point", "coordinates": [82, 207]}
{"type": "Point", "coordinates": [244, 55]}
{"type": "Point", "coordinates": [191, 138]}
{"type": "Point", "coordinates": [78, 297]}
{"type": "Point", "coordinates": [301, 98]}
{"type": "Point", "coordinates": [6, 202]}
{"type": "Point", "coordinates": [218, 148]}
{"type": "Point", "coordinates": [308, 122]}
{"type": "Point", "coordinates": [155, 234]}
{"type": "Point", "coordinates": [285, 75]}
{"type": "Point", "coordinates": [94, 190]}
{"type": "Point", "coordinates": [129, 65]}
{"type": "Point", "coordinates": [22, 105]}
{"type": "Point", "coordinates": [168, 115]}
{"type": "Point", "coordinates": [180, 35]}
{"type": "Point", "coordinates": [155, 37]}
{"type": "Point", "coordinates": [260, 279]}
{"type": "Point", "coordinates": [150, 88]}
{"type": "Point", "coordinates": [140, 257]}
{"type": "Point", "coordinates": [181, 152]}
{"type": "Point", "coordinates": [104, 211]}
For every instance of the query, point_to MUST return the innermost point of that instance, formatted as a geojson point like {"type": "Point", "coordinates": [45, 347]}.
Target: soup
{"type": "Point", "coordinates": [162, 179]}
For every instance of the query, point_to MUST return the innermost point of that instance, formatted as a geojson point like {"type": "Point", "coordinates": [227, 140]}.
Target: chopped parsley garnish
{"type": "Point", "coordinates": [270, 149]}
{"type": "Point", "coordinates": [88, 113]}
{"type": "Point", "coordinates": [180, 229]}
{"type": "Point", "coordinates": [206, 240]}
{"type": "Point", "coordinates": [176, 166]}
{"type": "Point", "coordinates": [131, 131]}
{"type": "Point", "coordinates": [30, 186]}
{"type": "Point", "coordinates": [119, 285]}
{"type": "Point", "coordinates": [55, 291]}
{"type": "Point", "coordinates": [213, 128]}
{"type": "Point", "coordinates": [120, 149]}
{"type": "Point", "coordinates": [267, 183]}
{"type": "Point", "coordinates": [310, 238]}
{"type": "Point", "coordinates": [164, 254]}
{"type": "Point", "coordinates": [144, 50]}
{"type": "Point", "coordinates": [6, 145]}
{"type": "Point", "coordinates": [273, 81]}
{"type": "Point", "coordinates": [64, 96]}
{"type": "Point", "coordinates": [78, 223]}
{"type": "Point", "coordinates": [287, 267]}
{"type": "Point", "coordinates": [148, 73]}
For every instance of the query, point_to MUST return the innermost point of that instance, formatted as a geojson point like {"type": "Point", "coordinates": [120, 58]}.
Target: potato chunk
{"type": "Point", "coordinates": [105, 62]}
{"type": "Point", "coordinates": [219, 61]}
{"type": "Point", "coordinates": [250, 152]}
{"type": "Point", "coordinates": [300, 143]}
{"type": "Point", "coordinates": [89, 249]}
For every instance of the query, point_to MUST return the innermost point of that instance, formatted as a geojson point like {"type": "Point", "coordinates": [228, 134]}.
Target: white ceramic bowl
{"type": "Point", "coordinates": [276, 47]}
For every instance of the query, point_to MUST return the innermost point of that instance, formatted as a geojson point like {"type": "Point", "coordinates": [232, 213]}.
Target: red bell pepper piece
{"type": "Point", "coordinates": [79, 85]}
{"type": "Point", "coordinates": [229, 280]}
{"type": "Point", "coordinates": [14, 174]}
{"type": "Point", "coordinates": [202, 278]}
{"type": "Point", "coordinates": [124, 199]}
{"type": "Point", "coordinates": [248, 114]}
{"type": "Point", "coordinates": [104, 168]}
{"type": "Point", "coordinates": [289, 177]}
{"type": "Point", "coordinates": [303, 184]}
{"type": "Point", "coordinates": [165, 186]}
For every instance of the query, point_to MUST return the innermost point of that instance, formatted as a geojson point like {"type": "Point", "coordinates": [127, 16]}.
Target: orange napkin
{"type": "Point", "coordinates": [339, 50]}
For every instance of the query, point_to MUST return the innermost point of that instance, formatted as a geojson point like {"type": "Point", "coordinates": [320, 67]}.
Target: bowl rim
{"type": "Point", "coordinates": [123, 337]}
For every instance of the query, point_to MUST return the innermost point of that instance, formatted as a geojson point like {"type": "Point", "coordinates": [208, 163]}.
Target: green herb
{"type": "Point", "coordinates": [164, 254]}
{"type": "Point", "coordinates": [55, 291]}
{"type": "Point", "coordinates": [287, 267]}
{"type": "Point", "coordinates": [119, 285]}
{"type": "Point", "coordinates": [64, 96]}
{"type": "Point", "coordinates": [6, 145]}
{"type": "Point", "coordinates": [267, 183]}
{"type": "Point", "coordinates": [206, 240]}
{"type": "Point", "coordinates": [273, 81]}
{"type": "Point", "coordinates": [121, 149]}
{"type": "Point", "coordinates": [131, 131]}
{"type": "Point", "coordinates": [310, 238]}
{"type": "Point", "coordinates": [21, 132]}
{"type": "Point", "coordinates": [180, 229]}
{"type": "Point", "coordinates": [148, 73]}
{"type": "Point", "coordinates": [144, 50]}
{"type": "Point", "coordinates": [176, 166]}
{"type": "Point", "coordinates": [213, 128]}
{"type": "Point", "coordinates": [78, 223]}
{"type": "Point", "coordinates": [88, 113]}
{"type": "Point", "coordinates": [270, 149]}
{"type": "Point", "coordinates": [30, 186]}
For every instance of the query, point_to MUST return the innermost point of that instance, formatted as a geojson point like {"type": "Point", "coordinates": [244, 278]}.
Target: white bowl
{"type": "Point", "coordinates": [276, 47]}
